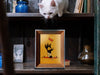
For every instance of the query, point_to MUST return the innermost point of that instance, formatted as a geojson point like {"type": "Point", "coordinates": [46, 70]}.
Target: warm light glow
{"type": "Point", "coordinates": [55, 41]}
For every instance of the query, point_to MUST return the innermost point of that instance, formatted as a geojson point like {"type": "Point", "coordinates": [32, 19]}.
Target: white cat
{"type": "Point", "coordinates": [50, 8]}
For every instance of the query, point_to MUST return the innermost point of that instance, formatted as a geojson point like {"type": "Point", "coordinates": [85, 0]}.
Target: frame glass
{"type": "Point", "coordinates": [50, 48]}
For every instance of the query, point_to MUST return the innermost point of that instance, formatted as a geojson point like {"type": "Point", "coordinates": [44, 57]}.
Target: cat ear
{"type": "Point", "coordinates": [40, 5]}
{"type": "Point", "coordinates": [53, 3]}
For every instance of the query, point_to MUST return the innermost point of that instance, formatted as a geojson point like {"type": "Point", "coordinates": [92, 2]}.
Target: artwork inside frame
{"type": "Point", "coordinates": [50, 48]}
{"type": "Point", "coordinates": [18, 50]}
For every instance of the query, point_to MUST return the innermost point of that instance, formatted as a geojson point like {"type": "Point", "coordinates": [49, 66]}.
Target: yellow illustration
{"type": "Point", "coordinates": [50, 48]}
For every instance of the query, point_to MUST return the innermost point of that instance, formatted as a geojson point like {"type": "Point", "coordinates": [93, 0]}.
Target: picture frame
{"type": "Point", "coordinates": [49, 48]}
{"type": "Point", "coordinates": [18, 51]}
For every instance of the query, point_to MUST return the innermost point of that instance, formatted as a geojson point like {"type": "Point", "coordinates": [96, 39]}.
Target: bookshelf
{"type": "Point", "coordinates": [79, 27]}
{"type": "Point", "coordinates": [22, 28]}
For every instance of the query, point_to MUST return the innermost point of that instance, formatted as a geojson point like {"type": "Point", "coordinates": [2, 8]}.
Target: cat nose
{"type": "Point", "coordinates": [48, 17]}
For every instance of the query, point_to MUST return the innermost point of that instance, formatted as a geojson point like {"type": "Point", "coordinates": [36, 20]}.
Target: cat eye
{"type": "Point", "coordinates": [44, 13]}
{"type": "Point", "coordinates": [50, 13]}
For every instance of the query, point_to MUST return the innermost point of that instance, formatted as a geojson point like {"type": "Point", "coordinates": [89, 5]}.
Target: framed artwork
{"type": "Point", "coordinates": [49, 48]}
{"type": "Point", "coordinates": [18, 52]}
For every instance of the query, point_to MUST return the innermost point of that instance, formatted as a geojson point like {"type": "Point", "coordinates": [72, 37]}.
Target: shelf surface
{"type": "Point", "coordinates": [38, 15]}
{"type": "Point", "coordinates": [23, 15]}
{"type": "Point", "coordinates": [28, 68]}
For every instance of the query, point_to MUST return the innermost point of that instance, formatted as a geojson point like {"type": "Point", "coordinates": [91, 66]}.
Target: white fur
{"type": "Point", "coordinates": [46, 9]}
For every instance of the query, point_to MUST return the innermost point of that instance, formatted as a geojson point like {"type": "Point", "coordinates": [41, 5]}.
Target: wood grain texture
{"type": "Point", "coordinates": [75, 68]}
{"type": "Point", "coordinates": [6, 47]}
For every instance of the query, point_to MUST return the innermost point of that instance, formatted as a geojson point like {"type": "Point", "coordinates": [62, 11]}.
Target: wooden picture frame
{"type": "Point", "coordinates": [49, 48]}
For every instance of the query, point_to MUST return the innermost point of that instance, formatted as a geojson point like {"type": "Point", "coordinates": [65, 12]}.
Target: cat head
{"type": "Point", "coordinates": [48, 10]}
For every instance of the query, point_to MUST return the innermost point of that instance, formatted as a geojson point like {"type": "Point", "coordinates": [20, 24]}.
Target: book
{"type": "Point", "coordinates": [14, 5]}
{"type": "Point", "coordinates": [67, 62]}
{"type": "Point", "coordinates": [81, 6]}
{"type": "Point", "coordinates": [85, 6]}
{"type": "Point", "coordinates": [78, 6]}
{"type": "Point", "coordinates": [88, 6]}
{"type": "Point", "coordinates": [18, 52]}
{"type": "Point", "coordinates": [92, 6]}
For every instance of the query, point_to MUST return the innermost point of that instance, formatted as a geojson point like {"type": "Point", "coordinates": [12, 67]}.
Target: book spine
{"type": "Point", "coordinates": [76, 10]}
{"type": "Point", "coordinates": [81, 6]}
{"type": "Point", "coordinates": [88, 6]}
{"type": "Point", "coordinates": [78, 6]}
{"type": "Point", "coordinates": [92, 6]}
{"type": "Point", "coordinates": [85, 6]}
{"type": "Point", "coordinates": [14, 5]}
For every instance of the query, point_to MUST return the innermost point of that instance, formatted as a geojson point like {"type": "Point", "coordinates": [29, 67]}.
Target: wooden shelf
{"type": "Point", "coordinates": [28, 68]}
{"type": "Point", "coordinates": [23, 15]}
{"type": "Point", "coordinates": [37, 16]}
{"type": "Point", "coordinates": [25, 18]}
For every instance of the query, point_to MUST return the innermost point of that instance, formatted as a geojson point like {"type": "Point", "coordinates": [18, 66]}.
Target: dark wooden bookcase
{"type": "Point", "coordinates": [79, 31]}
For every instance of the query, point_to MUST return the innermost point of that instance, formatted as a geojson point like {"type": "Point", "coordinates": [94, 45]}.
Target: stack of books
{"type": "Point", "coordinates": [84, 6]}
